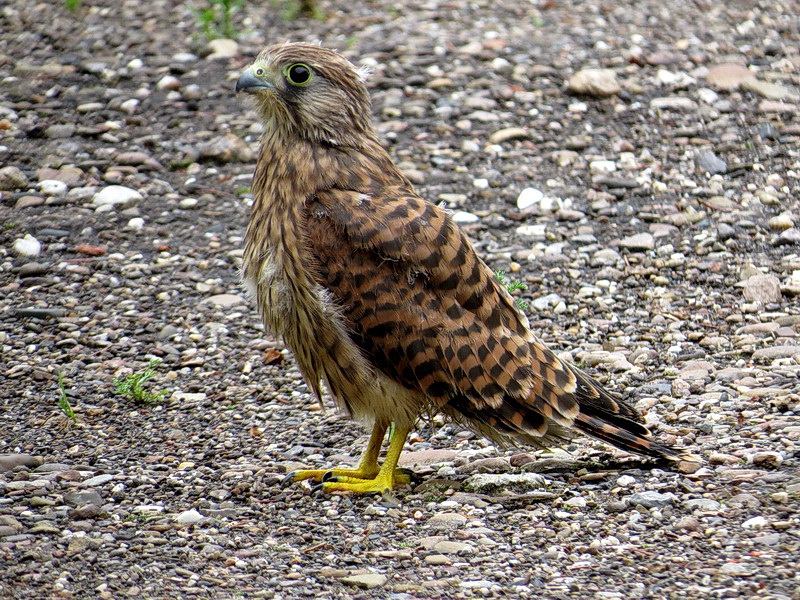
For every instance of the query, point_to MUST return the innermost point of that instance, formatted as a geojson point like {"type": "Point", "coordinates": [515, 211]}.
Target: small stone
{"type": "Point", "coordinates": [736, 569]}
{"type": "Point", "coordinates": [222, 48]}
{"type": "Point", "coordinates": [437, 559]}
{"type": "Point", "coordinates": [135, 223]}
{"type": "Point", "coordinates": [448, 547]}
{"type": "Point", "coordinates": [702, 504]}
{"type": "Point", "coordinates": [755, 522]}
{"type": "Point", "coordinates": [168, 82]}
{"type": "Point", "coordinates": [638, 242]}
{"type": "Point", "coordinates": [709, 162]}
{"type": "Point", "coordinates": [602, 166]}
{"type": "Point", "coordinates": [447, 521]}
{"type": "Point", "coordinates": [12, 178]}
{"type": "Point", "coordinates": [114, 195]}
{"type": "Point", "coordinates": [463, 217]}
{"type": "Point", "coordinates": [189, 517]}
{"type": "Point", "coordinates": [366, 581]}
{"type": "Point", "coordinates": [673, 103]}
{"type": "Point", "coordinates": [529, 197]}
{"type": "Point", "coordinates": [52, 187]}
{"type": "Point", "coordinates": [509, 133]}
{"type": "Point", "coordinates": [226, 148]}
{"type": "Point", "coordinates": [98, 480]}
{"type": "Point", "coordinates": [788, 237]}
{"type": "Point", "coordinates": [762, 289]}
{"type": "Point", "coordinates": [44, 527]}
{"type": "Point", "coordinates": [728, 76]}
{"type": "Point", "coordinates": [781, 222]}
{"type": "Point", "coordinates": [771, 91]}
{"type": "Point", "coordinates": [489, 483]}
{"type": "Point", "coordinates": [651, 499]}
{"type": "Point", "coordinates": [225, 300]}
{"type": "Point", "coordinates": [28, 202]}
{"type": "Point", "coordinates": [27, 246]}
{"type": "Point", "coordinates": [594, 82]}
{"type": "Point", "coordinates": [9, 462]}
{"type": "Point", "coordinates": [83, 497]}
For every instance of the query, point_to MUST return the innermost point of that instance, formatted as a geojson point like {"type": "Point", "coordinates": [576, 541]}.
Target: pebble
{"type": "Point", "coordinates": [9, 462]}
{"type": "Point", "coordinates": [27, 246]}
{"type": "Point", "coordinates": [509, 133]}
{"type": "Point", "coordinates": [222, 48]}
{"type": "Point", "coordinates": [225, 300]}
{"type": "Point", "coordinates": [447, 520]}
{"type": "Point", "coordinates": [679, 103]}
{"type": "Point", "coordinates": [52, 187]}
{"type": "Point", "coordinates": [226, 148]}
{"type": "Point", "coordinates": [638, 242]}
{"type": "Point", "coordinates": [115, 195]}
{"type": "Point", "coordinates": [489, 483]}
{"type": "Point", "coordinates": [651, 499]}
{"type": "Point", "coordinates": [448, 547]}
{"type": "Point", "coordinates": [755, 522]}
{"type": "Point", "coordinates": [599, 83]}
{"type": "Point", "coordinates": [12, 178]}
{"type": "Point", "coordinates": [762, 289]}
{"type": "Point", "coordinates": [728, 76]}
{"type": "Point", "coordinates": [366, 581]}
{"type": "Point", "coordinates": [703, 504]}
{"type": "Point", "coordinates": [529, 197]}
{"type": "Point", "coordinates": [189, 517]}
{"type": "Point", "coordinates": [98, 480]}
{"type": "Point", "coordinates": [708, 161]}
{"type": "Point", "coordinates": [462, 217]}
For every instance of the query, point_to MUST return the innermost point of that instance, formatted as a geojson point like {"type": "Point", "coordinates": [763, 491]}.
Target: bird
{"type": "Point", "coordinates": [380, 296]}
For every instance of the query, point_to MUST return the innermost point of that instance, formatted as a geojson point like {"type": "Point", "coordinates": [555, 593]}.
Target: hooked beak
{"type": "Point", "coordinates": [249, 83]}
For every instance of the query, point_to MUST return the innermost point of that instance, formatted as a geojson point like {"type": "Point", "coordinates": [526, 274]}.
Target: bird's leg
{"type": "Point", "coordinates": [387, 477]}
{"type": "Point", "coordinates": [367, 467]}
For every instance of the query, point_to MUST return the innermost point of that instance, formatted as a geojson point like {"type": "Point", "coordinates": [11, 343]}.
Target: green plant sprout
{"type": "Point", "coordinates": [216, 20]}
{"type": "Point", "coordinates": [512, 286]}
{"type": "Point", "coordinates": [63, 401]}
{"type": "Point", "coordinates": [72, 5]}
{"type": "Point", "coordinates": [133, 386]}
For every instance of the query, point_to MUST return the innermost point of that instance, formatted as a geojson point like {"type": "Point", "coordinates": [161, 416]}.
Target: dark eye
{"type": "Point", "coordinates": [298, 74]}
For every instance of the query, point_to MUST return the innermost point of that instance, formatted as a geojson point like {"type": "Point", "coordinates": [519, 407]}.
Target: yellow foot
{"type": "Point", "coordinates": [349, 476]}
{"type": "Point", "coordinates": [384, 482]}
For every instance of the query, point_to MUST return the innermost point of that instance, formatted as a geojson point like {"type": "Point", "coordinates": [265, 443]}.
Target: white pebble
{"type": "Point", "coordinates": [189, 517]}
{"type": "Point", "coordinates": [462, 217]}
{"type": "Point", "coordinates": [52, 187]}
{"type": "Point", "coordinates": [115, 194]}
{"type": "Point", "coordinates": [168, 82]}
{"type": "Point", "coordinates": [602, 166]}
{"type": "Point", "coordinates": [136, 63]}
{"type": "Point", "coordinates": [480, 184]}
{"type": "Point", "coordinates": [188, 203]}
{"type": "Point", "coordinates": [136, 223]}
{"type": "Point", "coordinates": [130, 106]}
{"type": "Point", "coordinates": [27, 246]}
{"type": "Point", "coordinates": [528, 197]}
{"type": "Point", "coordinates": [755, 522]}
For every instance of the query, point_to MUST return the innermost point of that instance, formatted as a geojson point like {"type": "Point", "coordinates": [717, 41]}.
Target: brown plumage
{"type": "Point", "coordinates": [377, 292]}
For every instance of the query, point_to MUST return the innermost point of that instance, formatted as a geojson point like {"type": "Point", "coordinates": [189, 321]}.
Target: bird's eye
{"type": "Point", "coordinates": [259, 72]}
{"type": "Point", "coordinates": [298, 74]}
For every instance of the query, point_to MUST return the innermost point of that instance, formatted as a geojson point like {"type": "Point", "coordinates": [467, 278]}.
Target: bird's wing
{"type": "Point", "coordinates": [431, 315]}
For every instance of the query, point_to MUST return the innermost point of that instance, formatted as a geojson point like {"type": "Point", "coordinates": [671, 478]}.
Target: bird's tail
{"type": "Point", "coordinates": [610, 419]}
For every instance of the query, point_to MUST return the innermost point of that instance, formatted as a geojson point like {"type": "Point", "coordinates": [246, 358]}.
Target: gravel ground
{"type": "Point", "coordinates": [651, 207]}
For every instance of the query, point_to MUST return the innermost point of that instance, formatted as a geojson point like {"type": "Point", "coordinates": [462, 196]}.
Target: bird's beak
{"type": "Point", "coordinates": [250, 84]}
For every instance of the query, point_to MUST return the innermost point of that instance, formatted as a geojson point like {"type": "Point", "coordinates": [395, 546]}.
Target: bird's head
{"type": "Point", "coordinates": [308, 92]}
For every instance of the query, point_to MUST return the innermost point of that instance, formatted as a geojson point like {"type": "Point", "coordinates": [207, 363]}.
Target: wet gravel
{"type": "Point", "coordinates": [636, 166]}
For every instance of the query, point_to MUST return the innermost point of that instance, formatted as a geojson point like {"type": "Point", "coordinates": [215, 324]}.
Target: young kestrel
{"type": "Point", "coordinates": [378, 294]}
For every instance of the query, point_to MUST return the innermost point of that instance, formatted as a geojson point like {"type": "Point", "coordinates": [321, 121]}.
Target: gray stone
{"type": "Point", "coordinates": [366, 581]}
{"type": "Point", "coordinates": [708, 161]}
{"type": "Point", "coordinates": [703, 504]}
{"type": "Point", "coordinates": [651, 499]}
{"type": "Point", "coordinates": [9, 462]}
{"type": "Point", "coordinates": [98, 480]}
{"type": "Point", "coordinates": [762, 289]}
{"type": "Point", "coordinates": [489, 483]}
{"type": "Point", "coordinates": [594, 82]}
{"type": "Point", "coordinates": [12, 178]}
{"type": "Point", "coordinates": [638, 242]}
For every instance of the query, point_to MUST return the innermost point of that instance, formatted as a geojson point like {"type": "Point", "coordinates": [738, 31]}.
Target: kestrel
{"type": "Point", "coordinates": [379, 295]}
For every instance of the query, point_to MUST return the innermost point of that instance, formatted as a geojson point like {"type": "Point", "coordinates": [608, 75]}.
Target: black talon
{"type": "Point", "coordinates": [288, 478]}
{"type": "Point", "coordinates": [328, 476]}
{"type": "Point", "coordinates": [316, 489]}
